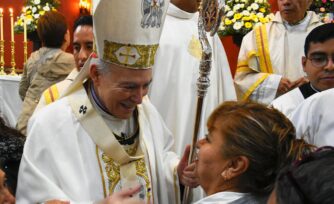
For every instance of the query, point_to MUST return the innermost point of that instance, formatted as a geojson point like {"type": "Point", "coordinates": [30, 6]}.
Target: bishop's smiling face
{"type": "Point", "coordinates": [121, 89]}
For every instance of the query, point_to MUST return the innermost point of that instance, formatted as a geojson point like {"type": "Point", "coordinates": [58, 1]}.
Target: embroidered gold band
{"type": "Point", "coordinates": [51, 94]}
{"type": "Point", "coordinates": [263, 49]}
{"type": "Point", "coordinates": [131, 56]}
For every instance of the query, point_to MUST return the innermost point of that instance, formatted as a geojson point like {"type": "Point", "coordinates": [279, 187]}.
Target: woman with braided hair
{"type": "Point", "coordinates": [245, 148]}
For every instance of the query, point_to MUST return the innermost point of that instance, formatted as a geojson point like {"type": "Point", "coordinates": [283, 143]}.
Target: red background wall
{"type": "Point", "coordinates": [70, 8]}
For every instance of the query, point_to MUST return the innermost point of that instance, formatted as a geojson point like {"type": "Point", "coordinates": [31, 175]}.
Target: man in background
{"type": "Point", "coordinates": [269, 58]}
{"type": "Point", "coordinates": [319, 51]}
{"type": "Point", "coordinates": [174, 90]}
{"type": "Point", "coordinates": [83, 38]}
{"type": "Point", "coordinates": [47, 66]}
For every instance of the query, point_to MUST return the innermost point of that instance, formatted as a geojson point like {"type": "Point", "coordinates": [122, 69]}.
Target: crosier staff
{"type": "Point", "coordinates": [210, 13]}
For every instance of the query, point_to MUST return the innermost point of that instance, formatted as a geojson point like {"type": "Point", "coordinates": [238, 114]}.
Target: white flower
{"type": "Point", "coordinates": [46, 8]}
{"type": "Point", "coordinates": [260, 1]}
{"type": "Point", "coordinates": [245, 13]}
{"type": "Point", "coordinates": [36, 2]}
{"type": "Point", "coordinates": [249, 8]}
{"type": "Point", "coordinates": [260, 15]}
{"type": "Point", "coordinates": [29, 21]}
{"type": "Point", "coordinates": [230, 13]}
{"type": "Point", "coordinates": [236, 7]}
{"type": "Point", "coordinates": [221, 27]}
{"type": "Point", "coordinates": [237, 26]}
{"type": "Point", "coordinates": [34, 9]}
{"type": "Point", "coordinates": [255, 6]}
{"type": "Point", "coordinates": [270, 16]}
{"type": "Point", "coordinates": [227, 8]}
{"type": "Point", "coordinates": [36, 15]}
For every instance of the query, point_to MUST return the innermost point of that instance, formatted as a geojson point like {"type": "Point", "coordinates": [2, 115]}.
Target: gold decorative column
{"type": "Point", "coordinates": [12, 61]}
{"type": "Point", "coordinates": [2, 62]}
{"type": "Point", "coordinates": [25, 52]}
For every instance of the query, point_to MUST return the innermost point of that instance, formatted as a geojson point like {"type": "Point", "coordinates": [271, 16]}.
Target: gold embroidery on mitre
{"type": "Point", "coordinates": [132, 56]}
{"type": "Point", "coordinates": [114, 176]}
{"type": "Point", "coordinates": [195, 48]}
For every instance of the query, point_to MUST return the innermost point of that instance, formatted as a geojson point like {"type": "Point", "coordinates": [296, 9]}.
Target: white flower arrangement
{"type": "Point", "coordinates": [241, 16]}
{"type": "Point", "coordinates": [32, 10]}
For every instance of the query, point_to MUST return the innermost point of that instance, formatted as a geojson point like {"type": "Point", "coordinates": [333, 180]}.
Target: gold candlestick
{"type": "Point", "coordinates": [25, 52]}
{"type": "Point", "coordinates": [12, 62]}
{"type": "Point", "coordinates": [2, 62]}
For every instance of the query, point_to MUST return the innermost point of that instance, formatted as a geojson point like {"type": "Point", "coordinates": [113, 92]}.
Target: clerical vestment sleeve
{"type": "Point", "coordinates": [267, 90]}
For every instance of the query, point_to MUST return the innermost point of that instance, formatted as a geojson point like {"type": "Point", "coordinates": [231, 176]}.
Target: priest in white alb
{"type": "Point", "coordinates": [319, 44]}
{"type": "Point", "coordinates": [269, 58]}
{"type": "Point", "coordinates": [104, 135]}
{"type": "Point", "coordinates": [314, 120]}
{"type": "Point", "coordinates": [176, 70]}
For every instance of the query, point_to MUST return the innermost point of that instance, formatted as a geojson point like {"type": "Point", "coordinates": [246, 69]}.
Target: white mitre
{"type": "Point", "coordinates": [126, 32]}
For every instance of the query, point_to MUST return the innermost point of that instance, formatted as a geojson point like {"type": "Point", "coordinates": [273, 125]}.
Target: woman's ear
{"type": "Point", "coordinates": [237, 167]}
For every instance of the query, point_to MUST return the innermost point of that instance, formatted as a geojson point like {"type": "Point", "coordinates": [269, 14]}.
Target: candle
{"type": "Point", "coordinates": [11, 24]}
{"type": "Point", "coordinates": [24, 26]}
{"type": "Point", "coordinates": [1, 24]}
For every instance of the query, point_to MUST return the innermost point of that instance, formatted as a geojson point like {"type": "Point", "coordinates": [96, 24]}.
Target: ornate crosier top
{"type": "Point", "coordinates": [241, 16]}
{"type": "Point", "coordinates": [32, 10]}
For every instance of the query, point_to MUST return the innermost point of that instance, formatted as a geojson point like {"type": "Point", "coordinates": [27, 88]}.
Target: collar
{"type": "Point", "coordinates": [178, 13]}
{"type": "Point", "coordinates": [311, 18]}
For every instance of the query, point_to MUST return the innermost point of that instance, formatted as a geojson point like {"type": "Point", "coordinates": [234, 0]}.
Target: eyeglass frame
{"type": "Point", "coordinates": [325, 62]}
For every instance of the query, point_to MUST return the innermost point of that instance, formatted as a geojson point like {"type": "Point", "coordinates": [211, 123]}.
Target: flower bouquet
{"type": "Point", "coordinates": [241, 16]}
{"type": "Point", "coordinates": [32, 10]}
{"type": "Point", "coordinates": [325, 9]}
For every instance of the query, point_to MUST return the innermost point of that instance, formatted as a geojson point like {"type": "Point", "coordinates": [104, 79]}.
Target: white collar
{"type": "Point", "coordinates": [300, 26]}
{"type": "Point", "coordinates": [224, 197]}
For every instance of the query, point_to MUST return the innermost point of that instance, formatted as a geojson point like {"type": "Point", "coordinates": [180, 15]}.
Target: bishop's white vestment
{"type": "Point", "coordinates": [71, 154]}
{"type": "Point", "coordinates": [314, 119]}
{"type": "Point", "coordinates": [288, 102]}
{"type": "Point", "coordinates": [175, 73]}
{"type": "Point", "coordinates": [268, 53]}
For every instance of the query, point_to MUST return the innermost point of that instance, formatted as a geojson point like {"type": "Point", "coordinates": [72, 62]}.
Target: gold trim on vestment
{"type": "Point", "coordinates": [129, 55]}
{"type": "Point", "coordinates": [253, 87]}
{"type": "Point", "coordinates": [101, 172]}
{"type": "Point", "coordinates": [243, 67]}
{"type": "Point", "coordinates": [51, 94]}
{"type": "Point", "coordinates": [263, 49]}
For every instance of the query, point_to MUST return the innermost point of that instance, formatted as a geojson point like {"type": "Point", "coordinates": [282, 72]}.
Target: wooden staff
{"type": "Point", "coordinates": [210, 13]}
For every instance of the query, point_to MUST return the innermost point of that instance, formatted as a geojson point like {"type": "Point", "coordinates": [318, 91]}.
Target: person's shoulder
{"type": "Point", "coordinates": [288, 102]}
{"type": "Point", "coordinates": [326, 96]}
{"type": "Point", "coordinates": [53, 112]}
{"type": "Point", "coordinates": [288, 96]}
{"type": "Point", "coordinates": [64, 57]}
